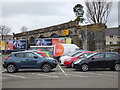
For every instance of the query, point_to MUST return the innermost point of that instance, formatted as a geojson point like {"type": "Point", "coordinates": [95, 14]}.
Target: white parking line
{"type": "Point", "coordinates": [63, 71]}
{"type": "Point", "coordinates": [96, 74]}
{"type": "Point", "coordinates": [15, 76]}
{"type": "Point", "coordinates": [77, 75]}
{"type": "Point", "coordinates": [45, 75]}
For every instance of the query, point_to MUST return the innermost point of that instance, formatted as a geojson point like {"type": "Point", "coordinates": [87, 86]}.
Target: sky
{"type": "Point", "coordinates": [35, 15]}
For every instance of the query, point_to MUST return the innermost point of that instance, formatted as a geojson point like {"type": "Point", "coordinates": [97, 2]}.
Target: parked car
{"type": "Point", "coordinates": [99, 60]}
{"type": "Point", "coordinates": [28, 60]}
{"type": "Point", "coordinates": [62, 58]}
{"type": "Point", "coordinates": [68, 62]}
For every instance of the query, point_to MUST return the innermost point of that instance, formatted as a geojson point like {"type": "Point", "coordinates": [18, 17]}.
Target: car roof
{"type": "Point", "coordinates": [109, 52]}
{"type": "Point", "coordinates": [21, 52]}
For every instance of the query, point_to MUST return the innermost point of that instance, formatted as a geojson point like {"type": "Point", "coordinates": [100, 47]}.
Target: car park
{"type": "Point", "coordinates": [99, 60]}
{"type": "Point", "coordinates": [28, 60]}
{"type": "Point", "coordinates": [68, 62]}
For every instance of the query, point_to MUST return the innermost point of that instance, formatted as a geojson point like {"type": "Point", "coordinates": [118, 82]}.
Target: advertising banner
{"type": "Point", "coordinates": [44, 42]}
{"type": "Point", "coordinates": [65, 32]}
{"type": "Point", "coordinates": [59, 50]}
{"type": "Point", "coordinates": [2, 45]}
{"type": "Point", "coordinates": [19, 44]}
{"type": "Point", "coordinates": [11, 45]}
{"type": "Point", "coordinates": [68, 40]}
{"type": "Point", "coordinates": [55, 41]}
{"type": "Point", "coordinates": [62, 40]}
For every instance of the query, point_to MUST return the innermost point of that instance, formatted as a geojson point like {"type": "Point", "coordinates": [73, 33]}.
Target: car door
{"type": "Point", "coordinates": [97, 61]}
{"type": "Point", "coordinates": [32, 60]}
{"type": "Point", "coordinates": [20, 59]}
{"type": "Point", "coordinates": [110, 59]}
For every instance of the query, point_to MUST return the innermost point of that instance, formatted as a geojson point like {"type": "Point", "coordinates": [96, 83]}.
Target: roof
{"type": "Point", "coordinates": [21, 52]}
{"type": "Point", "coordinates": [111, 31]}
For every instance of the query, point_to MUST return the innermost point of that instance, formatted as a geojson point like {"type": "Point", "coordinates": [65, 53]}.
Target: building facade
{"type": "Point", "coordinates": [7, 37]}
{"type": "Point", "coordinates": [113, 38]}
{"type": "Point", "coordinates": [89, 37]}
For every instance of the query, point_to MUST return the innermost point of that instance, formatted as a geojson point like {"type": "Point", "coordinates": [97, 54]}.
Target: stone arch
{"type": "Point", "coordinates": [32, 39]}
{"type": "Point", "coordinates": [54, 35]}
{"type": "Point", "coordinates": [41, 36]}
{"type": "Point", "coordinates": [71, 32]}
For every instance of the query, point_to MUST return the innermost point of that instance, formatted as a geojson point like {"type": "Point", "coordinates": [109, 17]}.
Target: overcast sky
{"type": "Point", "coordinates": [35, 15]}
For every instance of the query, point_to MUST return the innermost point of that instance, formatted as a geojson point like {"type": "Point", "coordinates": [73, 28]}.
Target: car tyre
{"type": "Point", "coordinates": [117, 67]}
{"type": "Point", "coordinates": [46, 67]}
{"type": "Point", "coordinates": [84, 67]}
{"type": "Point", "coordinates": [11, 68]}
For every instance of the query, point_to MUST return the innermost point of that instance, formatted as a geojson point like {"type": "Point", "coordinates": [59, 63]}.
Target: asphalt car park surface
{"type": "Point", "coordinates": [60, 77]}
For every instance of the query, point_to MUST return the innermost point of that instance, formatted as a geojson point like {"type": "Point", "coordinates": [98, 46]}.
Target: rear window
{"type": "Point", "coordinates": [19, 55]}
{"type": "Point", "coordinates": [39, 54]}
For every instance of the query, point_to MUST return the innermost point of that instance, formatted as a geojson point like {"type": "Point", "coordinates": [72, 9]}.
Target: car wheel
{"type": "Point", "coordinates": [46, 67]}
{"type": "Point", "coordinates": [11, 68]}
{"type": "Point", "coordinates": [84, 67]}
{"type": "Point", "coordinates": [117, 67]}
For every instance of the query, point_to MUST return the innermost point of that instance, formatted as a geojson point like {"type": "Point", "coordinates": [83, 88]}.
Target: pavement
{"type": "Point", "coordinates": [60, 77]}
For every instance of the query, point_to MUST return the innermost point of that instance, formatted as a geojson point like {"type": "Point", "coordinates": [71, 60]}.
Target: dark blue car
{"type": "Point", "coordinates": [28, 60]}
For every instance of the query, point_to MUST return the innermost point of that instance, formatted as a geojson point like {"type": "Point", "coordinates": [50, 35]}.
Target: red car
{"type": "Point", "coordinates": [68, 62]}
{"type": "Point", "coordinates": [42, 54]}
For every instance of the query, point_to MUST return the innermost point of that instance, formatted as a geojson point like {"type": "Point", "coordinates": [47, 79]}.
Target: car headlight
{"type": "Point", "coordinates": [68, 59]}
{"type": "Point", "coordinates": [76, 62]}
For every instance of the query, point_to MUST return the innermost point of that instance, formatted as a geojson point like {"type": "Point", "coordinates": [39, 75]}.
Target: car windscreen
{"type": "Point", "coordinates": [76, 54]}
{"type": "Point", "coordinates": [90, 55]}
{"type": "Point", "coordinates": [38, 54]}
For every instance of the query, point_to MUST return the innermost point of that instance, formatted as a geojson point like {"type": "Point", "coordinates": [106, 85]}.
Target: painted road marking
{"type": "Point", "coordinates": [51, 76]}
{"type": "Point", "coordinates": [63, 71]}
{"type": "Point", "coordinates": [77, 75]}
{"type": "Point", "coordinates": [15, 76]}
{"type": "Point", "coordinates": [96, 74]}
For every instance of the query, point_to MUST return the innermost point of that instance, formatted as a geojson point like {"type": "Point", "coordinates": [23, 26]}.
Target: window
{"type": "Point", "coordinates": [111, 42]}
{"type": "Point", "coordinates": [20, 55]}
{"type": "Point", "coordinates": [98, 56]}
{"type": "Point", "coordinates": [111, 36]}
{"type": "Point", "coordinates": [86, 54]}
{"type": "Point", "coordinates": [110, 56]}
{"type": "Point", "coordinates": [118, 42]}
{"type": "Point", "coordinates": [30, 55]}
{"type": "Point", "coordinates": [39, 54]}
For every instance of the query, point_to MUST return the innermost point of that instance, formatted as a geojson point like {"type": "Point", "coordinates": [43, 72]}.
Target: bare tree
{"type": "Point", "coordinates": [79, 12]}
{"type": "Point", "coordinates": [4, 31]}
{"type": "Point", "coordinates": [98, 10]}
{"type": "Point", "coordinates": [23, 29]}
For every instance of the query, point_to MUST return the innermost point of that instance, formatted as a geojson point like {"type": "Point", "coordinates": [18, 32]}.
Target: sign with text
{"type": "Point", "coordinates": [65, 32]}
{"type": "Point", "coordinates": [2, 45]}
{"type": "Point", "coordinates": [19, 44]}
{"type": "Point", "coordinates": [44, 42]}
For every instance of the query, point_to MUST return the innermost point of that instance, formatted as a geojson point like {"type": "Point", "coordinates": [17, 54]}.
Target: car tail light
{"type": "Point", "coordinates": [8, 57]}
{"type": "Point", "coordinates": [50, 56]}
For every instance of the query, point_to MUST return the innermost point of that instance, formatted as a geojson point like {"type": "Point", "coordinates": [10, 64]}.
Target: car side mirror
{"type": "Point", "coordinates": [35, 56]}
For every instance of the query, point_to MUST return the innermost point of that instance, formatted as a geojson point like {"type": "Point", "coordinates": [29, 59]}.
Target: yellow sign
{"type": "Point", "coordinates": [68, 40]}
{"type": "Point", "coordinates": [2, 45]}
{"type": "Point", "coordinates": [65, 32]}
